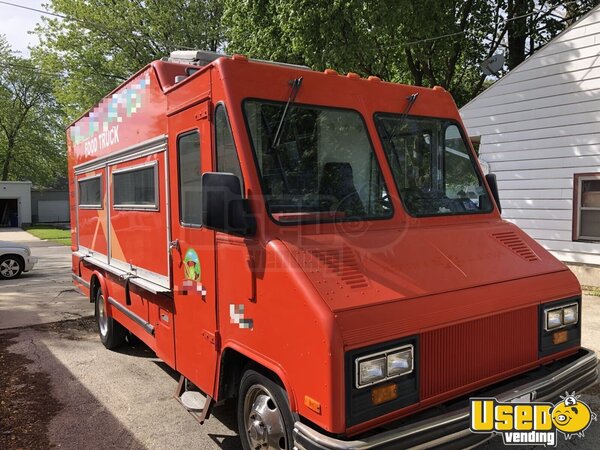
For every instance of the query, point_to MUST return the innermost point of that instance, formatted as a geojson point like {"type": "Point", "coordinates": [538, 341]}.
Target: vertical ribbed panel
{"type": "Point", "coordinates": [461, 354]}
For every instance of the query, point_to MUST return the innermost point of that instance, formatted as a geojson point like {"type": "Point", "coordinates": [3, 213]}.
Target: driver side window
{"type": "Point", "coordinates": [227, 157]}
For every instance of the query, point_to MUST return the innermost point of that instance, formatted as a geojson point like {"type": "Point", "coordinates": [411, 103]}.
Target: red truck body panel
{"type": "Point", "coordinates": [468, 286]}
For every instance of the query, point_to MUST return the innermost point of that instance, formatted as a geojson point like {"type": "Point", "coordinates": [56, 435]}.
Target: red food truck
{"type": "Point", "coordinates": [323, 248]}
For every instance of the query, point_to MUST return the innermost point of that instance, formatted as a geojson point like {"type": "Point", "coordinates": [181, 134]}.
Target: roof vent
{"type": "Point", "coordinates": [203, 58]}
{"type": "Point", "coordinates": [511, 240]}
{"type": "Point", "coordinates": [194, 57]}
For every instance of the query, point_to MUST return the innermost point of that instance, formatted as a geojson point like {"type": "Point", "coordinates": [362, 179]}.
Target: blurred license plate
{"type": "Point", "coordinates": [522, 399]}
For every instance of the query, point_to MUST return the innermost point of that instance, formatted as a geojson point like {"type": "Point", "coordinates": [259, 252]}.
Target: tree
{"type": "Point", "coordinates": [517, 31]}
{"type": "Point", "coordinates": [445, 42]}
{"type": "Point", "coordinates": [348, 35]}
{"type": "Point", "coordinates": [31, 126]}
{"type": "Point", "coordinates": [531, 24]}
{"type": "Point", "coordinates": [98, 44]}
{"type": "Point", "coordinates": [427, 43]}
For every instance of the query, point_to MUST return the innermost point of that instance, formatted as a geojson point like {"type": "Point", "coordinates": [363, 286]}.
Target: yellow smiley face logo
{"type": "Point", "coordinates": [572, 416]}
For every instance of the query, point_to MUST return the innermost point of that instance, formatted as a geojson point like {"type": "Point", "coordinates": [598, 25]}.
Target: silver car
{"type": "Point", "coordinates": [15, 258]}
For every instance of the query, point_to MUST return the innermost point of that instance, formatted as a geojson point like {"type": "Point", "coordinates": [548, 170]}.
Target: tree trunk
{"type": "Point", "coordinates": [572, 9]}
{"type": "Point", "coordinates": [415, 71]}
{"type": "Point", "coordinates": [6, 165]}
{"type": "Point", "coordinates": [517, 32]}
{"type": "Point", "coordinates": [5, 168]}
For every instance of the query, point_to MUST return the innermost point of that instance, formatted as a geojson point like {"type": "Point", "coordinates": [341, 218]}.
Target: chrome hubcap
{"type": "Point", "coordinates": [263, 420]}
{"type": "Point", "coordinates": [102, 317]}
{"type": "Point", "coordinates": [9, 268]}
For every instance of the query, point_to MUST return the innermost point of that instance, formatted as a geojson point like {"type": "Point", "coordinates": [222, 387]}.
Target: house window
{"type": "Point", "coordinates": [587, 207]}
{"type": "Point", "coordinates": [136, 188]}
{"type": "Point", "coordinates": [90, 193]}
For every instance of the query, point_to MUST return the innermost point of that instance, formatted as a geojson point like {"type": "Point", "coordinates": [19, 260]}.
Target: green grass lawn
{"type": "Point", "coordinates": [50, 233]}
{"type": "Point", "coordinates": [591, 290]}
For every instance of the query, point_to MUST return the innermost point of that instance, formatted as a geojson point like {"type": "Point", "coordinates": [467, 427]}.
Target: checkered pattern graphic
{"type": "Point", "coordinates": [112, 110]}
{"type": "Point", "coordinates": [236, 314]}
{"type": "Point", "coordinates": [190, 286]}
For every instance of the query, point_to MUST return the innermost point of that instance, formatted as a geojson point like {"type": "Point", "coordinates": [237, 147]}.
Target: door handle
{"type": "Point", "coordinates": [174, 245]}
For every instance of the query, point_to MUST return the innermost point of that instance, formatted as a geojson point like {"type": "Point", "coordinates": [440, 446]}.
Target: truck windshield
{"type": "Point", "coordinates": [324, 167]}
{"type": "Point", "coordinates": [432, 167]}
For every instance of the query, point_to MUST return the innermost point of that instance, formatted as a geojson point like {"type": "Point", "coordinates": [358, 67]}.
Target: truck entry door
{"type": "Point", "coordinates": [192, 248]}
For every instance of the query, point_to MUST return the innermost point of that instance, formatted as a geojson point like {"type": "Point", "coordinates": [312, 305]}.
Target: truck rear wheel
{"type": "Point", "coordinates": [263, 413]}
{"type": "Point", "coordinates": [112, 333]}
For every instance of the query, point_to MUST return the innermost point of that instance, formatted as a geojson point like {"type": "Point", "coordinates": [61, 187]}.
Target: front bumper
{"type": "Point", "coordinates": [546, 383]}
{"type": "Point", "coordinates": [29, 263]}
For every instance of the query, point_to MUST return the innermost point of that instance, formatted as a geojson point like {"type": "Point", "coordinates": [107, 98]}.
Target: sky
{"type": "Point", "coordinates": [16, 22]}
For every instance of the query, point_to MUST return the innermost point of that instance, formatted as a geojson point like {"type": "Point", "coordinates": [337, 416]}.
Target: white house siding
{"type": "Point", "coordinates": [538, 126]}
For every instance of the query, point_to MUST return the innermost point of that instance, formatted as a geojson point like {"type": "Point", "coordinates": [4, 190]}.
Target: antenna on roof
{"type": "Point", "coordinates": [492, 65]}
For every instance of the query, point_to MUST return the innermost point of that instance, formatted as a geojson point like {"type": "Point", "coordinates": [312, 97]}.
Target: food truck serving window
{"type": "Point", "coordinates": [432, 167]}
{"type": "Point", "coordinates": [136, 187]}
{"type": "Point", "coordinates": [322, 167]}
{"type": "Point", "coordinates": [90, 192]}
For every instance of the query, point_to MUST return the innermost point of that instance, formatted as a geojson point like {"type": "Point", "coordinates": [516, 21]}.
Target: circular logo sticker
{"type": "Point", "coordinates": [191, 265]}
{"type": "Point", "coordinates": [572, 416]}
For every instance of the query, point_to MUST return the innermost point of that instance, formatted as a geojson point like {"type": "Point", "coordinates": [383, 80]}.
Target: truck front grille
{"type": "Point", "coordinates": [459, 355]}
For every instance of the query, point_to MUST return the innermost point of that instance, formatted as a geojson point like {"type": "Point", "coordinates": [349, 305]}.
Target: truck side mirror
{"type": "Point", "coordinates": [493, 184]}
{"type": "Point", "coordinates": [223, 207]}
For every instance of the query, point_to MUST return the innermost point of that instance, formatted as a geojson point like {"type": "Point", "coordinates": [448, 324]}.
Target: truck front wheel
{"type": "Point", "coordinates": [112, 334]}
{"type": "Point", "coordinates": [263, 413]}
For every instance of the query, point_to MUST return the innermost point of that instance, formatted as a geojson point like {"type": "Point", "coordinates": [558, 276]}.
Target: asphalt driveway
{"type": "Point", "coordinates": [46, 294]}
{"type": "Point", "coordinates": [60, 388]}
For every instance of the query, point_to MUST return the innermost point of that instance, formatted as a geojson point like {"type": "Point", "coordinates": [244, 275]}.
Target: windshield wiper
{"type": "Point", "coordinates": [295, 83]}
{"type": "Point", "coordinates": [412, 98]}
{"type": "Point", "coordinates": [274, 147]}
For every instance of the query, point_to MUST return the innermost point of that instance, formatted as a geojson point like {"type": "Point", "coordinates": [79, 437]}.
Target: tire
{"type": "Point", "coordinates": [263, 413]}
{"type": "Point", "coordinates": [112, 333]}
{"type": "Point", "coordinates": [11, 267]}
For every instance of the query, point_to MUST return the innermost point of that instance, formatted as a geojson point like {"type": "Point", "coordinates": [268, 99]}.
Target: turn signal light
{"type": "Point", "coordinates": [382, 394]}
{"type": "Point", "coordinates": [560, 337]}
{"type": "Point", "coordinates": [312, 404]}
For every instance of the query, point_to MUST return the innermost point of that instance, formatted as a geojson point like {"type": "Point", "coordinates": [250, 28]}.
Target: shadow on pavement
{"type": "Point", "coordinates": [77, 419]}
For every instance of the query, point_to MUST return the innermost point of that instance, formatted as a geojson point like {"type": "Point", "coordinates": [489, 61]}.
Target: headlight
{"type": "Point", "coordinates": [372, 371]}
{"type": "Point", "coordinates": [553, 319]}
{"type": "Point", "coordinates": [561, 316]}
{"type": "Point", "coordinates": [400, 363]}
{"type": "Point", "coordinates": [570, 315]}
{"type": "Point", "coordinates": [560, 325]}
{"type": "Point", "coordinates": [383, 366]}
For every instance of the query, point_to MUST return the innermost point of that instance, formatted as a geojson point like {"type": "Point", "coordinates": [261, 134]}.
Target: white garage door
{"type": "Point", "coordinates": [53, 211]}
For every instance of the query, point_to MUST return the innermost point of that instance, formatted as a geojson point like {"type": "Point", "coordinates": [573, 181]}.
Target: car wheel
{"type": "Point", "coordinates": [11, 267]}
{"type": "Point", "coordinates": [112, 333]}
{"type": "Point", "coordinates": [264, 417]}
